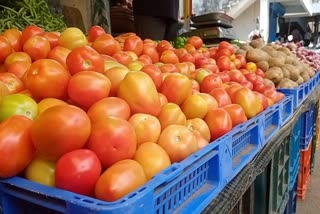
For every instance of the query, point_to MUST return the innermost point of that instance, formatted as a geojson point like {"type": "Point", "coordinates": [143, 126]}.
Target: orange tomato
{"type": "Point", "coordinates": [249, 101]}
{"type": "Point", "coordinates": [195, 41]}
{"type": "Point", "coordinates": [219, 122]}
{"type": "Point", "coordinates": [194, 107]}
{"type": "Point", "coordinates": [18, 68]}
{"type": "Point", "coordinates": [133, 43]}
{"type": "Point", "coordinates": [14, 38]}
{"type": "Point", "coordinates": [46, 103]}
{"type": "Point", "coordinates": [17, 56]}
{"type": "Point", "coordinates": [60, 55]}
{"type": "Point", "coordinates": [116, 75]}
{"type": "Point", "coordinates": [5, 48]}
{"type": "Point", "coordinates": [169, 57]}
{"type": "Point", "coordinates": [163, 99]}
{"type": "Point", "coordinates": [106, 44]}
{"type": "Point", "coordinates": [221, 96]}
{"type": "Point", "coordinates": [211, 101]}
{"type": "Point", "coordinates": [250, 66]}
{"type": "Point", "coordinates": [12, 82]}
{"type": "Point", "coordinates": [53, 38]}
{"type": "Point", "coordinates": [236, 113]}
{"type": "Point", "coordinates": [171, 114]}
{"type": "Point", "coordinates": [37, 47]}
{"type": "Point", "coordinates": [200, 126]}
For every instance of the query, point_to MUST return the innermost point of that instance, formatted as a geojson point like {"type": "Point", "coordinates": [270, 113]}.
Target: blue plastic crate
{"type": "Point", "coordinates": [294, 173]}
{"type": "Point", "coordinates": [185, 187]}
{"type": "Point", "coordinates": [271, 122]}
{"type": "Point", "coordinates": [307, 127]}
{"type": "Point", "coordinates": [297, 93]}
{"type": "Point", "coordinates": [243, 143]}
{"type": "Point", "coordinates": [293, 197]}
{"type": "Point", "coordinates": [286, 109]}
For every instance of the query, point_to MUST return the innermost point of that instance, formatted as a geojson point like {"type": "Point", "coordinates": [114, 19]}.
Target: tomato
{"type": "Point", "coordinates": [210, 82]}
{"type": "Point", "coordinates": [247, 84]}
{"type": "Point", "coordinates": [180, 52]}
{"type": "Point", "coordinates": [145, 59]}
{"type": "Point", "coordinates": [29, 32]}
{"type": "Point", "coordinates": [211, 101]}
{"type": "Point", "coordinates": [211, 66]}
{"type": "Point", "coordinates": [3, 90]}
{"type": "Point", "coordinates": [5, 48]}
{"type": "Point", "coordinates": [194, 107]}
{"type": "Point", "coordinates": [151, 51]}
{"type": "Point", "coordinates": [84, 58]}
{"type": "Point", "coordinates": [14, 38]}
{"type": "Point", "coordinates": [37, 47]}
{"type": "Point", "coordinates": [187, 58]}
{"type": "Point", "coordinates": [219, 122]}
{"type": "Point", "coordinates": [72, 38]}
{"type": "Point", "coordinates": [112, 139]}
{"type": "Point", "coordinates": [147, 127]}
{"type": "Point", "coordinates": [221, 96]}
{"type": "Point", "coordinates": [97, 87]}
{"type": "Point", "coordinates": [53, 38]}
{"type": "Point", "coordinates": [242, 60]}
{"type": "Point", "coordinates": [163, 99]}
{"type": "Point", "coordinates": [195, 41]}
{"type": "Point", "coordinates": [78, 171]}
{"type": "Point", "coordinates": [155, 73]}
{"type": "Point", "coordinates": [226, 45]}
{"type": "Point", "coordinates": [231, 90]}
{"type": "Point", "coordinates": [106, 44]}
{"type": "Point", "coordinates": [122, 57]}
{"type": "Point", "coordinates": [13, 83]}
{"type": "Point", "coordinates": [223, 52]}
{"type": "Point", "coordinates": [176, 87]}
{"type": "Point", "coordinates": [17, 57]}
{"type": "Point", "coordinates": [119, 180]}
{"type": "Point", "coordinates": [224, 77]}
{"type": "Point", "coordinates": [18, 104]}
{"type": "Point", "coordinates": [60, 55]}
{"type": "Point", "coordinates": [251, 67]}
{"type": "Point", "coordinates": [190, 48]}
{"type": "Point", "coordinates": [263, 100]}
{"type": "Point", "coordinates": [169, 57]}
{"type": "Point", "coordinates": [200, 126]}
{"type": "Point", "coordinates": [133, 43]}
{"type": "Point", "coordinates": [41, 171]}
{"type": "Point", "coordinates": [183, 68]}
{"type": "Point", "coordinates": [168, 68]}
{"type": "Point", "coordinates": [19, 68]}
{"type": "Point", "coordinates": [236, 113]}
{"type": "Point", "coordinates": [260, 72]}
{"type": "Point", "coordinates": [116, 75]}
{"type": "Point", "coordinates": [247, 99]}
{"type": "Point", "coordinates": [213, 52]}
{"type": "Point", "coordinates": [153, 158]}
{"type": "Point", "coordinates": [47, 78]}
{"type": "Point", "coordinates": [224, 63]}
{"type": "Point", "coordinates": [171, 114]}
{"type": "Point", "coordinates": [197, 54]}
{"type": "Point", "coordinates": [259, 87]}
{"type": "Point", "coordinates": [49, 102]}
{"type": "Point", "coordinates": [109, 107]}
{"type": "Point", "coordinates": [16, 149]}
{"type": "Point", "coordinates": [199, 74]}
{"type": "Point", "coordinates": [236, 76]}
{"type": "Point", "coordinates": [178, 141]}
{"type": "Point", "coordinates": [273, 94]}
{"type": "Point", "coordinates": [195, 86]}
{"type": "Point", "coordinates": [66, 127]}
{"type": "Point", "coordinates": [139, 91]}
{"type": "Point", "coordinates": [94, 32]}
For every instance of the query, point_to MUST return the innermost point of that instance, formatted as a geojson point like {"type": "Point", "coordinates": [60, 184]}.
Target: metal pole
{"type": "Point", "coordinates": [316, 29]}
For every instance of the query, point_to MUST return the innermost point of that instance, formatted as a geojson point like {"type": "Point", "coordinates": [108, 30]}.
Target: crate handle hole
{"type": "Point", "coordinates": [88, 201]}
{"type": "Point", "coordinates": [132, 195]}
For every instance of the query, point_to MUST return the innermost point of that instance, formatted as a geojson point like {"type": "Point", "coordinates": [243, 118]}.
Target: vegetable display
{"type": "Point", "coordinates": [102, 115]}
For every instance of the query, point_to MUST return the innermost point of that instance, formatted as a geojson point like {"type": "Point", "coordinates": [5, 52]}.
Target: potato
{"type": "Point", "coordinates": [287, 83]}
{"type": "Point", "coordinates": [294, 72]}
{"type": "Point", "coordinates": [280, 54]}
{"type": "Point", "coordinates": [274, 74]}
{"type": "Point", "coordinates": [257, 55]}
{"type": "Point", "coordinates": [305, 76]}
{"type": "Point", "coordinates": [286, 73]}
{"type": "Point", "coordinates": [246, 47]}
{"type": "Point", "coordinates": [276, 62]}
{"type": "Point", "coordinates": [257, 43]}
{"type": "Point", "coordinates": [270, 50]}
{"type": "Point", "coordinates": [268, 82]}
{"type": "Point", "coordinates": [300, 80]}
{"type": "Point", "coordinates": [295, 62]}
{"type": "Point", "coordinates": [310, 72]}
{"type": "Point", "coordinates": [275, 46]}
{"type": "Point", "coordinates": [289, 59]}
{"type": "Point", "coordinates": [241, 52]}
{"type": "Point", "coordinates": [263, 65]}
{"type": "Point", "coordinates": [284, 50]}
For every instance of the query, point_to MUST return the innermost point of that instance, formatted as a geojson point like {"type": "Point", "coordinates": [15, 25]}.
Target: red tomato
{"type": "Point", "coordinates": [180, 52]}
{"type": "Point", "coordinates": [221, 96]}
{"type": "Point", "coordinates": [163, 45]}
{"type": "Point", "coordinates": [53, 38]}
{"type": "Point", "coordinates": [195, 85]}
{"type": "Point", "coordinates": [19, 68]}
{"type": "Point", "coordinates": [223, 52]}
{"type": "Point", "coordinates": [139, 91]}
{"type": "Point", "coordinates": [187, 58]}
{"type": "Point", "coordinates": [219, 122]}
{"type": "Point", "coordinates": [153, 158]}
{"type": "Point", "coordinates": [190, 48]}
{"type": "Point", "coordinates": [236, 76]}
{"type": "Point", "coordinates": [13, 83]}
{"type": "Point", "coordinates": [106, 44]}
{"type": "Point", "coordinates": [224, 77]}
{"type": "Point", "coordinates": [14, 38]}
{"type": "Point", "coordinates": [17, 56]}
{"type": "Point", "coordinates": [210, 82]}
{"type": "Point", "coordinates": [247, 84]}
{"type": "Point", "coordinates": [112, 139]}
{"type": "Point", "coordinates": [211, 66]}
{"type": "Point", "coordinates": [200, 61]}
{"type": "Point", "coordinates": [60, 55]}
{"type": "Point", "coordinates": [195, 41]}
{"type": "Point", "coordinates": [171, 114]}
{"type": "Point", "coordinates": [178, 141]}
{"type": "Point", "coordinates": [183, 68]}
{"type": "Point", "coordinates": [66, 127]}
{"type": "Point", "coordinates": [78, 171]}
{"type": "Point", "coordinates": [168, 68]}
{"type": "Point", "coordinates": [84, 59]}
{"type": "Point", "coordinates": [119, 180]}
{"type": "Point", "coordinates": [94, 32]}
{"type": "Point", "coordinates": [109, 107]}
{"type": "Point", "coordinates": [47, 78]}
{"type": "Point", "coordinates": [46, 103]}
{"type": "Point", "coordinates": [5, 48]}
{"type": "Point", "coordinates": [4, 90]}
{"type": "Point", "coordinates": [226, 45]}
{"type": "Point", "coordinates": [16, 149]}
{"type": "Point", "coordinates": [163, 99]}
{"type": "Point", "coordinates": [263, 100]}
{"type": "Point", "coordinates": [224, 63]}
{"type": "Point", "coordinates": [97, 87]}
{"type": "Point", "coordinates": [242, 60]}
{"type": "Point", "coordinates": [133, 43]}
{"type": "Point", "coordinates": [37, 47]}
{"type": "Point", "coordinates": [146, 126]}
{"type": "Point", "coordinates": [29, 32]}
{"type": "Point", "coordinates": [197, 54]}
{"type": "Point", "coordinates": [122, 57]}
{"type": "Point", "coordinates": [151, 51]}
{"type": "Point", "coordinates": [273, 94]}
{"type": "Point", "coordinates": [176, 87]}
{"type": "Point", "coordinates": [250, 103]}
{"type": "Point", "coordinates": [236, 113]}
{"type": "Point", "coordinates": [259, 72]}
{"type": "Point", "coordinates": [259, 87]}
{"type": "Point", "coordinates": [169, 57]}
{"type": "Point", "coordinates": [213, 52]}
{"type": "Point", "coordinates": [145, 59]}
{"type": "Point", "coordinates": [155, 73]}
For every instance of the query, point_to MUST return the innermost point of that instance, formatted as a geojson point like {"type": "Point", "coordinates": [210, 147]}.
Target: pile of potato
{"type": "Point", "coordinates": [280, 65]}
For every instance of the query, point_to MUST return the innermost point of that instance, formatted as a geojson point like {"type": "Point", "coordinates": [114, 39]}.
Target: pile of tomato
{"type": "Point", "coordinates": [101, 115]}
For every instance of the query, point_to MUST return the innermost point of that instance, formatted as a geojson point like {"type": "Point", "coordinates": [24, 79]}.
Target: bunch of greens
{"type": "Point", "coordinates": [21, 13]}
